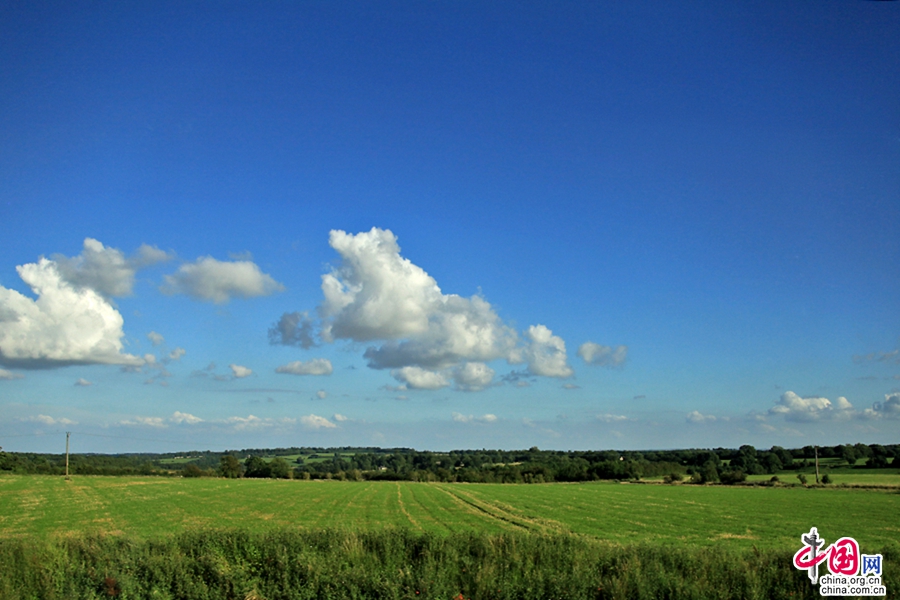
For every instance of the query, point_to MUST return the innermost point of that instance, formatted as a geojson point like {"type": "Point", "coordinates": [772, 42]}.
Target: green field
{"type": "Point", "coordinates": [174, 538]}
{"type": "Point", "coordinates": [740, 516]}
{"type": "Point", "coordinates": [856, 477]}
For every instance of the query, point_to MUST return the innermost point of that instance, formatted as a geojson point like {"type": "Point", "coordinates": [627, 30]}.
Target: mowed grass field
{"type": "Point", "coordinates": [739, 517]}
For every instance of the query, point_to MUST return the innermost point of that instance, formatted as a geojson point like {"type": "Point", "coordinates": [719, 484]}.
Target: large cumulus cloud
{"type": "Point", "coordinates": [106, 270]}
{"type": "Point", "coordinates": [427, 338]}
{"type": "Point", "coordinates": [69, 323]}
{"type": "Point", "coordinates": [377, 295]}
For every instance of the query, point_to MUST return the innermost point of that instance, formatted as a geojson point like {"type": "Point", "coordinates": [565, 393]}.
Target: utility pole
{"type": "Point", "coordinates": [817, 464]}
{"type": "Point", "coordinates": [68, 433]}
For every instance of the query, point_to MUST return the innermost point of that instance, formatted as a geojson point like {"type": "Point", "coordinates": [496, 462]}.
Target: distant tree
{"type": "Point", "coordinates": [230, 467]}
{"type": "Point", "coordinates": [879, 450]}
{"type": "Point", "coordinates": [785, 456]}
{"type": "Point", "coordinates": [877, 462]}
{"type": "Point", "coordinates": [256, 466]}
{"type": "Point", "coordinates": [732, 477]}
{"type": "Point", "coordinates": [849, 454]}
{"type": "Point", "coordinates": [802, 478]}
{"type": "Point", "coordinates": [191, 470]}
{"type": "Point", "coordinates": [826, 479]}
{"type": "Point", "coordinates": [279, 469]}
{"type": "Point", "coordinates": [772, 463]}
{"type": "Point", "coordinates": [708, 473]}
{"type": "Point", "coordinates": [862, 451]}
{"type": "Point", "coordinates": [748, 450]}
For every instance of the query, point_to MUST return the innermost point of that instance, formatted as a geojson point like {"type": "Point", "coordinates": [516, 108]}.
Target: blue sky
{"type": "Point", "coordinates": [449, 225]}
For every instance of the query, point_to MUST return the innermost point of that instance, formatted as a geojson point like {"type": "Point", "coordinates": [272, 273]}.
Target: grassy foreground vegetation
{"type": "Point", "coordinates": [196, 538]}
{"type": "Point", "coordinates": [394, 564]}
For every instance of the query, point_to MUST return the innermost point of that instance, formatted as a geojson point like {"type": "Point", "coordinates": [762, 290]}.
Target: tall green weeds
{"type": "Point", "coordinates": [392, 564]}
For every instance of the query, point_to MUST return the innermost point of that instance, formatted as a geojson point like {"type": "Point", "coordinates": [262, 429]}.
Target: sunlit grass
{"type": "Point", "coordinates": [742, 516]}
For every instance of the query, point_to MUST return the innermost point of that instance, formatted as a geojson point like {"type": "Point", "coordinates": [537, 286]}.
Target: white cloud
{"type": "Point", "coordinates": [571, 386]}
{"type": "Point", "coordinates": [545, 353]}
{"type": "Point", "coordinates": [47, 420]}
{"type": "Point", "coordinates": [317, 422]}
{"type": "Point", "coordinates": [321, 394]}
{"type": "Point", "coordinates": [610, 418]}
{"type": "Point", "coordinates": [106, 270]}
{"type": "Point", "coordinates": [604, 356]}
{"type": "Point", "coordinates": [340, 418]}
{"type": "Point", "coordinates": [794, 408]}
{"type": "Point", "coordinates": [427, 338]}
{"type": "Point", "coordinates": [180, 417]}
{"type": "Point", "coordinates": [155, 338]}
{"type": "Point", "coordinates": [81, 382]}
{"type": "Point", "coordinates": [316, 366]}
{"type": "Point", "coordinates": [473, 376]}
{"type": "Point", "coordinates": [66, 325]}
{"type": "Point", "coordinates": [240, 372]}
{"type": "Point", "coordinates": [461, 418]}
{"type": "Point", "coordinates": [889, 409]}
{"type": "Point", "coordinates": [376, 294]}
{"type": "Point", "coordinates": [420, 379]}
{"type": "Point", "coordinates": [9, 375]}
{"type": "Point", "coordinates": [293, 329]}
{"type": "Point", "coordinates": [177, 353]}
{"type": "Point", "coordinates": [893, 357]}
{"type": "Point", "coordinates": [252, 422]}
{"type": "Point", "coordinates": [219, 281]}
{"type": "Point", "coordinates": [149, 255]}
{"type": "Point", "coordinates": [697, 417]}
{"type": "Point", "coordinates": [157, 422]}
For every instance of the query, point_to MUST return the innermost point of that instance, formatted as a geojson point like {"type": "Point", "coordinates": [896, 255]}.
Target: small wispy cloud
{"type": "Point", "coordinates": [239, 372]}
{"type": "Point", "coordinates": [316, 366]}
{"type": "Point", "coordinates": [603, 356]}
{"type": "Point", "coordinates": [461, 418]}
{"type": "Point", "coordinates": [610, 418]}
{"type": "Point", "coordinates": [696, 416]}
{"type": "Point", "coordinates": [889, 357]}
{"type": "Point", "coordinates": [9, 375]}
{"type": "Point", "coordinates": [317, 422]}
{"type": "Point", "coordinates": [48, 420]}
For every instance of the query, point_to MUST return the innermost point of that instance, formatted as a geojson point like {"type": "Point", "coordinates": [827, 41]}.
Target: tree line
{"type": "Point", "coordinates": [473, 466]}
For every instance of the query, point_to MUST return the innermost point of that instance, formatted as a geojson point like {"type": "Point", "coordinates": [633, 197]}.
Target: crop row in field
{"type": "Point", "coordinates": [622, 513]}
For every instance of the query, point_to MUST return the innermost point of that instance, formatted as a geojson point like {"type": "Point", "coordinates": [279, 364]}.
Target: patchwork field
{"type": "Point", "coordinates": [140, 508]}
